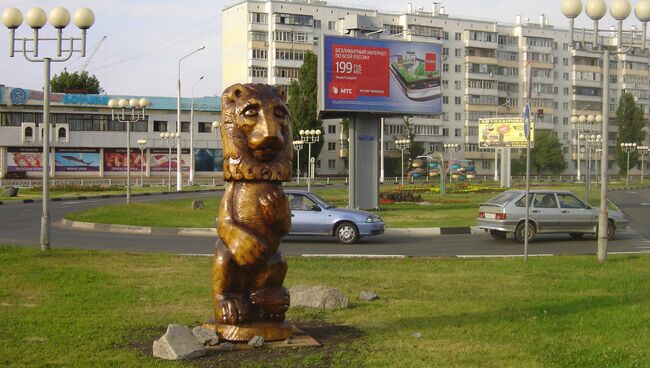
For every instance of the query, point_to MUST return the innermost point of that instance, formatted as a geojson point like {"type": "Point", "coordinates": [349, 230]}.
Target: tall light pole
{"type": "Point", "coordinates": [192, 132]}
{"type": "Point", "coordinates": [170, 137]}
{"type": "Point", "coordinates": [179, 178]}
{"type": "Point", "coordinates": [142, 144]}
{"type": "Point", "coordinates": [592, 141]}
{"type": "Point", "coordinates": [298, 145]}
{"type": "Point", "coordinates": [36, 18]}
{"type": "Point", "coordinates": [577, 120]}
{"type": "Point", "coordinates": [628, 148]}
{"type": "Point", "coordinates": [402, 144]}
{"type": "Point", "coordinates": [596, 9]}
{"type": "Point", "coordinates": [451, 148]}
{"type": "Point", "coordinates": [643, 150]}
{"type": "Point", "coordinates": [134, 104]}
{"type": "Point", "coordinates": [309, 137]}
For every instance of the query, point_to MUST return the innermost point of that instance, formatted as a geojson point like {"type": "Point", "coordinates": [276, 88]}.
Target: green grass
{"type": "Point", "coordinates": [85, 308]}
{"type": "Point", "coordinates": [435, 211]}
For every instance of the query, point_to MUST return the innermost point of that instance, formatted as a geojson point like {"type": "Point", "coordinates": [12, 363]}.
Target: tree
{"type": "Point", "coordinates": [629, 117]}
{"type": "Point", "coordinates": [81, 83]}
{"type": "Point", "coordinates": [415, 148]}
{"type": "Point", "coordinates": [546, 156]}
{"type": "Point", "coordinates": [303, 105]}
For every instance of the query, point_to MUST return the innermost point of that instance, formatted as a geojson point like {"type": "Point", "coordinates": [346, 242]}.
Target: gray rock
{"type": "Point", "coordinates": [196, 205]}
{"type": "Point", "coordinates": [256, 341]}
{"type": "Point", "coordinates": [205, 336]}
{"type": "Point", "coordinates": [227, 345]}
{"type": "Point", "coordinates": [9, 192]}
{"type": "Point", "coordinates": [178, 343]}
{"type": "Point", "coordinates": [417, 335]}
{"type": "Point", "coordinates": [320, 297]}
{"type": "Point", "coordinates": [368, 296]}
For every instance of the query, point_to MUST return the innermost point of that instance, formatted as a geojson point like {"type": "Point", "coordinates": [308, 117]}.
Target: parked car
{"type": "Point", "coordinates": [550, 212]}
{"type": "Point", "coordinates": [312, 215]}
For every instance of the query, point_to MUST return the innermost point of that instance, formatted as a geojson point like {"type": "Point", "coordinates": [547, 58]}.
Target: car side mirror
{"type": "Point", "coordinates": [315, 208]}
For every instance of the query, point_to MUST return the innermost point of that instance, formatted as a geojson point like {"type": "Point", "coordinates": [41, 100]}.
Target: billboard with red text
{"type": "Point", "coordinates": [378, 75]}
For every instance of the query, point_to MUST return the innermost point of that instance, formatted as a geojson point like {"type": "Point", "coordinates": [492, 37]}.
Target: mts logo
{"type": "Point", "coordinates": [346, 91]}
{"type": "Point", "coordinates": [430, 62]}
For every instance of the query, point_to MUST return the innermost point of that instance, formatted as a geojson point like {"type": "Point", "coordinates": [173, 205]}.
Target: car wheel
{"type": "Point", "coordinates": [498, 234]}
{"type": "Point", "coordinates": [521, 230]}
{"type": "Point", "coordinates": [347, 232]}
{"type": "Point", "coordinates": [576, 236]}
{"type": "Point", "coordinates": [611, 230]}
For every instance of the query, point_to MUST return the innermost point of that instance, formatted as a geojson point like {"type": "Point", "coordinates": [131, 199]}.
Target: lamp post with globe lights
{"type": "Point", "coordinates": [137, 107]}
{"type": "Point", "coordinates": [620, 10]}
{"type": "Point", "coordinates": [170, 137]}
{"type": "Point", "coordinates": [142, 144]}
{"type": "Point", "coordinates": [309, 137]}
{"type": "Point", "coordinates": [578, 121]}
{"type": "Point", "coordinates": [643, 150]}
{"type": "Point", "coordinates": [451, 148]}
{"type": "Point", "coordinates": [298, 145]}
{"type": "Point", "coordinates": [402, 144]}
{"type": "Point", "coordinates": [36, 18]}
{"type": "Point", "coordinates": [628, 148]}
{"type": "Point", "coordinates": [592, 142]}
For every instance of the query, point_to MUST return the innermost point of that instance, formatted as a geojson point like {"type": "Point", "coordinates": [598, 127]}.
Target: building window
{"type": "Point", "coordinates": [472, 131]}
{"type": "Point", "coordinates": [393, 29]}
{"type": "Point", "coordinates": [285, 72]}
{"type": "Point", "coordinates": [457, 68]}
{"type": "Point", "coordinates": [294, 19]}
{"type": "Point", "coordinates": [331, 164]}
{"type": "Point", "coordinates": [445, 100]}
{"type": "Point", "coordinates": [457, 52]}
{"type": "Point", "coordinates": [258, 72]}
{"type": "Point", "coordinates": [260, 18]}
{"type": "Point", "coordinates": [185, 126]}
{"type": "Point", "coordinates": [205, 127]}
{"type": "Point", "coordinates": [487, 165]}
{"type": "Point", "coordinates": [457, 116]}
{"type": "Point", "coordinates": [445, 35]}
{"type": "Point", "coordinates": [458, 36]}
{"type": "Point", "coordinates": [457, 100]}
{"type": "Point", "coordinates": [458, 132]}
{"type": "Point", "coordinates": [331, 146]}
{"type": "Point", "coordinates": [159, 126]}
{"type": "Point", "coordinates": [425, 31]}
{"type": "Point", "coordinates": [331, 129]}
{"type": "Point", "coordinates": [331, 25]}
{"type": "Point", "coordinates": [259, 54]}
{"type": "Point", "coordinates": [445, 132]}
{"type": "Point", "coordinates": [445, 67]}
{"type": "Point", "coordinates": [259, 36]}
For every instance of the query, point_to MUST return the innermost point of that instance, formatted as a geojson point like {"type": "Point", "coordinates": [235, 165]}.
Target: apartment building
{"type": "Point", "coordinates": [484, 72]}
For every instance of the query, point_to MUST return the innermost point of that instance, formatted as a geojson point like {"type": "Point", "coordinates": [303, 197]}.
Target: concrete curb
{"type": "Point", "coordinates": [210, 232]}
{"type": "Point", "coordinates": [102, 196]}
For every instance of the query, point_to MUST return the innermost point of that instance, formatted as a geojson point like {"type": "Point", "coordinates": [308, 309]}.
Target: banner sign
{"type": "Point", "coordinates": [375, 75]}
{"type": "Point", "coordinates": [208, 159]}
{"type": "Point", "coordinates": [24, 159]}
{"type": "Point", "coordinates": [160, 160]}
{"type": "Point", "coordinates": [504, 132]}
{"type": "Point", "coordinates": [77, 159]}
{"type": "Point", "coordinates": [115, 159]}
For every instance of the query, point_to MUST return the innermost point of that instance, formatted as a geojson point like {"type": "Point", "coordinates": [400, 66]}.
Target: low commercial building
{"type": "Point", "coordinates": [87, 141]}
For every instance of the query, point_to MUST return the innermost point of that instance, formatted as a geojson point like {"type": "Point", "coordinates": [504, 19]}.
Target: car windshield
{"type": "Point", "coordinates": [321, 201]}
{"type": "Point", "coordinates": [503, 198]}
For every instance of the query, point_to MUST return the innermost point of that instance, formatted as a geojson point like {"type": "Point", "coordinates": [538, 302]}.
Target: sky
{"type": "Point", "coordinates": [146, 39]}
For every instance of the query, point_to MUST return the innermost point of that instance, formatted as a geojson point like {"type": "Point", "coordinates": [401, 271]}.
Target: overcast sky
{"type": "Point", "coordinates": [145, 39]}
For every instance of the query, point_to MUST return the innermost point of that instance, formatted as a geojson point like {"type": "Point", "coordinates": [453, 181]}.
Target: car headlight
{"type": "Point", "coordinates": [373, 219]}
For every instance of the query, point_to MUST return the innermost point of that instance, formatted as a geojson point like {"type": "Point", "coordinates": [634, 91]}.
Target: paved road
{"type": "Point", "coordinates": [19, 224]}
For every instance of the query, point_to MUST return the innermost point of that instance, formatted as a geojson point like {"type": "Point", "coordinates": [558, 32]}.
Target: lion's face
{"type": "Point", "coordinates": [256, 133]}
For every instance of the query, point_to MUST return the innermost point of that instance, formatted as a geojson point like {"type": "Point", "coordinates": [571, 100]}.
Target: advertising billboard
{"type": "Point", "coordinates": [76, 159]}
{"type": "Point", "coordinates": [161, 161]}
{"type": "Point", "coordinates": [504, 132]}
{"type": "Point", "coordinates": [208, 159]}
{"type": "Point", "coordinates": [115, 159]}
{"type": "Point", "coordinates": [24, 159]}
{"type": "Point", "coordinates": [378, 75]}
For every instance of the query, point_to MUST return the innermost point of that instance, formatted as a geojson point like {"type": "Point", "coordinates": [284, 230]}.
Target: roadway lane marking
{"type": "Point", "coordinates": [629, 252]}
{"type": "Point", "coordinates": [502, 255]}
{"type": "Point", "coordinates": [197, 254]}
{"type": "Point", "coordinates": [355, 255]}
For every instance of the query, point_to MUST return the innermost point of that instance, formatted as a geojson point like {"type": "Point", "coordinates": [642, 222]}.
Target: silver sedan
{"type": "Point", "coordinates": [550, 212]}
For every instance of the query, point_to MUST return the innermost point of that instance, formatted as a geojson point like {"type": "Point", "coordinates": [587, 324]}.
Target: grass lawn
{"type": "Point", "coordinates": [435, 211]}
{"type": "Point", "coordinates": [85, 308]}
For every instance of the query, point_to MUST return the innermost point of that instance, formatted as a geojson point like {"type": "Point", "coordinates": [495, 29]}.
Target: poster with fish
{"type": "Point", "coordinates": [161, 160]}
{"type": "Point", "coordinates": [24, 159]}
{"type": "Point", "coordinates": [208, 159]}
{"type": "Point", "coordinates": [115, 159]}
{"type": "Point", "coordinates": [76, 159]}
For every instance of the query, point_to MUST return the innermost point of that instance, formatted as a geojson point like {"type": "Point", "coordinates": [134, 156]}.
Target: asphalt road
{"type": "Point", "coordinates": [20, 223]}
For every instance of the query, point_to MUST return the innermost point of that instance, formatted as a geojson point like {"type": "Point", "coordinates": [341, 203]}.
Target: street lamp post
{"type": "Point", "coordinates": [496, 149]}
{"type": "Point", "coordinates": [628, 148]}
{"type": "Point", "coordinates": [643, 150]}
{"type": "Point", "coordinates": [192, 133]}
{"type": "Point", "coordinates": [596, 9]}
{"type": "Point", "coordinates": [170, 137]}
{"type": "Point", "coordinates": [142, 144]}
{"type": "Point", "coordinates": [451, 148]}
{"type": "Point", "coordinates": [298, 145]}
{"type": "Point", "coordinates": [134, 104]}
{"type": "Point", "coordinates": [309, 137]}
{"type": "Point", "coordinates": [179, 179]}
{"type": "Point", "coordinates": [402, 144]}
{"type": "Point", "coordinates": [592, 141]}
{"type": "Point", "coordinates": [36, 18]}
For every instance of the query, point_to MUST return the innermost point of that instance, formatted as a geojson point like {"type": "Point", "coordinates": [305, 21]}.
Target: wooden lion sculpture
{"type": "Point", "coordinates": [254, 215]}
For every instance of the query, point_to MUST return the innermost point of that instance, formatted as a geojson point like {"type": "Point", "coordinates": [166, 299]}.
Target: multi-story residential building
{"type": "Point", "coordinates": [484, 71]}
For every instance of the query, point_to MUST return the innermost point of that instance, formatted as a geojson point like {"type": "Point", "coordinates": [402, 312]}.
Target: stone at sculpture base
{"type": "Point", "coordinates": [270, 331]}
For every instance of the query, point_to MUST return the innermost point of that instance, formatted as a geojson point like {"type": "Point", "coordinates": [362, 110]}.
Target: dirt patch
{"type": "Point", "coordinates": [333, 337]}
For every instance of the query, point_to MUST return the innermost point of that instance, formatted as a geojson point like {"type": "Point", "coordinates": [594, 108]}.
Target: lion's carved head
{"type": "Point", "coordinates": [256, 133]}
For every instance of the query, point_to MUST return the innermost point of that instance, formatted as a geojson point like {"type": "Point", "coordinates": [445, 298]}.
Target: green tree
{"type": "Point", "coordinates": [303, 105]}
{"type": "Point", "coordinates": [415, 148]}
{"type": "Point", "coordinates": [629, 117]}
{"type": "Point", "coordinates": [546, 156]}
{"type": "Point", "coordinates": [81, 83]}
